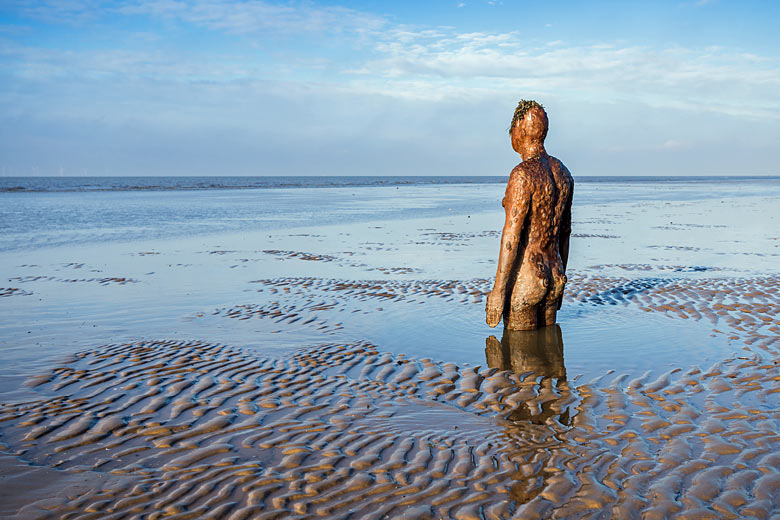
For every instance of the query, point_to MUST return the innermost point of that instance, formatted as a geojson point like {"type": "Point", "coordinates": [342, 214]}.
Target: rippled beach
{"type": "Point", "coordinates": [295, 352]}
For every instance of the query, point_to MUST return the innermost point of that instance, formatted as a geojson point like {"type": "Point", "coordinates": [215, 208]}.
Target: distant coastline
{"type": "Point", "coordinates": [77, 184]}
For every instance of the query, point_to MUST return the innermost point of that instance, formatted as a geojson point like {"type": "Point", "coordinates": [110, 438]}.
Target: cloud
{"type": "Point", "coordinates": [428, 63]}
{"type": "Point", "coordinates": [59, 11]}
{"type": "Point", "coordinates": [673, 144]}
{"type": "Point", "coordinates": [68, 67]}
{"type": "Point", "coordinates": [250, 17]}
{"type": "Point", "coordinates": [711, 78]}
{"type": "Point", "coordinates": [14, 30]}
{"type": "Point", "coordinates": [235, 16]}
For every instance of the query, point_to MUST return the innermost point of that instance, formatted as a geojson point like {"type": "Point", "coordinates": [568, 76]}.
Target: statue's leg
{"type": "Point", "coordinates": [550, 311]}
{"type": "Point", "coordinates": [522, 318]}
{"type": "Point", "coordinates": [553, 299]}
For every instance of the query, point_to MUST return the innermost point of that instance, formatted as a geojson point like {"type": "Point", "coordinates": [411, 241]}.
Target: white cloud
{"type": "Point", "coordinates": [411, 62]}
{"type": "Point", "coordinates": [673, 144]}
{"type": "Point", "coordinates": [711, 79]}
{"type": "Point", "coordinates": [236, 16]}
{"type": "Point", "coordinates": [123, 66]}
{"type": "Point", "coordinates": [60, 11]}
{"type": "Point", "coordinates": [247, 17]}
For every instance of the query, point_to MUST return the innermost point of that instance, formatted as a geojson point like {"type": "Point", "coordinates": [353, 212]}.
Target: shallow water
{"type": "Point", "coordinates": [54, 211]}
{"type": "Point", "coordinates": [351, 355]}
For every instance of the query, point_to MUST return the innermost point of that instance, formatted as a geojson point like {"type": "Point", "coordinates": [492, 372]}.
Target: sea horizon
{"type": "Point", "coordinates": [211, 182]}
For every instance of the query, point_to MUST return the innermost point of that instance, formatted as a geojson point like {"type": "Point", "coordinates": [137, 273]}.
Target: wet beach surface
{"type": "Point", "coordinates": [344, 370]}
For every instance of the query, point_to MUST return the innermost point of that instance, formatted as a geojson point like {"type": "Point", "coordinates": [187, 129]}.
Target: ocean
{"type": "Point", "coordinates": [49, 184]}
{"type": "Point", "coordinates": [40, 212]}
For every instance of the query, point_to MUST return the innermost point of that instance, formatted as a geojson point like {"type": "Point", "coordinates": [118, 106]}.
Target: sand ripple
{"type": "Point", "coordinates": [744, 308]}
{"type": "Point", "coordinates": [209, 430]}
{"type": "Point", "coordinates": [213, 431]}
{"type": "Point", "coordinates": [201, 430]}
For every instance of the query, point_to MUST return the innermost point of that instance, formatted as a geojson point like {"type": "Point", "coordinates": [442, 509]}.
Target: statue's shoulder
{"type": "Point", "coordinates": [521, 175]}
{"type": "Point", "coordinates": [519, 186]}
{"type": "Point", "coordinates": [559, 168]}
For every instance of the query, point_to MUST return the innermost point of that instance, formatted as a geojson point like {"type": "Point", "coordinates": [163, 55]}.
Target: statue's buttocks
{"type": "Point", "coordinates": [530, 278]}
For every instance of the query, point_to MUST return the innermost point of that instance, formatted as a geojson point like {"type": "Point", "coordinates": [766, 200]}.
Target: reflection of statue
{"type": "Point", "coordinates": [535, 240]}
{"type": "Point", "coordinates": [539, 351]}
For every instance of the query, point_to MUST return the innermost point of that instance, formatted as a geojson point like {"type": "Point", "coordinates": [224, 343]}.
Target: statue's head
{"type": "Point", "coordinates": [529, 124]}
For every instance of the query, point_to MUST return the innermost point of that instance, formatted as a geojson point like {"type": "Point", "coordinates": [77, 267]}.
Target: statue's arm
{"type": "Point", "coordinates": [565, 233]}
{"type": "Point", "coordinates": [516, 203]}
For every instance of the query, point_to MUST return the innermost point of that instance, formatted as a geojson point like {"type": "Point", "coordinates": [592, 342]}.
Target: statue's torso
{"type": "Point", "coordinates": [546, 187]}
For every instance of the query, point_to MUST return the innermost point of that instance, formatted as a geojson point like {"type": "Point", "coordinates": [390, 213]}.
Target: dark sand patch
{"type": "Point", "coordinates": [300, 255]}
{"type": "Point", "coordinates": [220, 252]}
{"type": "Point", "coordinates": [592, 235]}
{"type": "Point", "coordinates": [74, 265]}
{"type": "Point", "coordinates": [106, 280]}
{"type": "Point", "coordinates": [299, 314]}
{"type": "Point", "coordinates": [362, 290]}
{"type": "Point", "coordinates": [13, 291]}
{"type": "Point", "coordinates": [462, 236]}
{"type": "Point", "coordinates": [651, 267]}
{"type": "Point", "coordinates": [395, 270]}
{"type": "Point", "coordinates": [317, 302]}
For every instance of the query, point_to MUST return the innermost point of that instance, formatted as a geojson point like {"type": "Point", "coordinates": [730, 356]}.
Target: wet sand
{"type": "Point", "coordinates": [344, 372]}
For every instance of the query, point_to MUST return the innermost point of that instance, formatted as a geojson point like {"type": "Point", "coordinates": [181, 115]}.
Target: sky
{"type": "Point", "coordinates": [238, 87]}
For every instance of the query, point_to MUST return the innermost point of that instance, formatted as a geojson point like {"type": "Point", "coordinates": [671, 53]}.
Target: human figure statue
{"type": "Point", "coordinates": [534, 251]}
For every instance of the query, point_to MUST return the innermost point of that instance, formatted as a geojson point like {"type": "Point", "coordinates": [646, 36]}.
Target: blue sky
{"type": "Point", "coordinates": [228, 87]}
